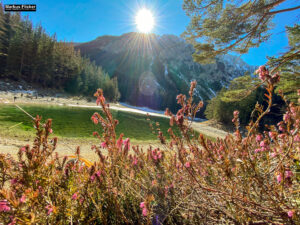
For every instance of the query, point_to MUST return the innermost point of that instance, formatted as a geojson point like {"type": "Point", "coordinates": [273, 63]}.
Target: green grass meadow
{"type": "Point", "coordinates": [74, 122]}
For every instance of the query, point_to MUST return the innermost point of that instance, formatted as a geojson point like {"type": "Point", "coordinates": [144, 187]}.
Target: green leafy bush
{"type": "Point", "coordinates": [241, 95]}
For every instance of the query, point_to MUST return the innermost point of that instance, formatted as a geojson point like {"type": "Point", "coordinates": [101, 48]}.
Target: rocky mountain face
{"type": "Point", "coordinates": [152, 69]}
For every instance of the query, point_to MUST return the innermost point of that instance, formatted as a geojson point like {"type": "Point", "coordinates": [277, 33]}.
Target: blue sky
{"type": "Point", "coordinates": [81, 21]}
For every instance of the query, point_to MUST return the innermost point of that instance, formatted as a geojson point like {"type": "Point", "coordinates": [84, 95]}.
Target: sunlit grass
{"type": "Point", "coordinates": [72, 122]}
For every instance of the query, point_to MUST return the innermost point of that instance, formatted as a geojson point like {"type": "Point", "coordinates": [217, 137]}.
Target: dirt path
{"type": "Point", "coordinates": [64, 147]}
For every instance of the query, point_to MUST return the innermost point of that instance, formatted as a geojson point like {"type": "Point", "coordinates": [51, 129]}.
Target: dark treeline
{"type": "Point", "coordinates": [29, 53]}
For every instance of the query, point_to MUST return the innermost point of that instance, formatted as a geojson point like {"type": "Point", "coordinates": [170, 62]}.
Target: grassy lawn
{"type": "Point", "coordinates": [73, 122]}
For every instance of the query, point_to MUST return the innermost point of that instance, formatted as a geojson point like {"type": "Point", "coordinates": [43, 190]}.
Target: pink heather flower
{"type": "Point", "coordinates": [262, 72]}
{"type": "Point", "coordinates": [259, 137]}
{"type": "Point", "coordinates": [103, 144]}
{"type": "Point", "coordinates": [145, 212]}
{"type": "Point", "coordinates": [23, 149]}
{"type": "Point", "coordinates": [290, 213]}
{"type": "Point", "coordinates": [272, 135]}
{"type": "Point", "coordinates": [159, 155]}
{"type": "Point", "coordinates": [259, 69]}
{"type": "Point", "coordinates": [119, 143]}
{"type": "Point", "coordinates": [257, 150]}
{"type": "Point", "coordinates": [94, 119]}
{"type": "Point", "coordinates": [288, 174]}
{"type": "Point", "coordinates": [50, 131]}
{"type": "Point", "coordinates": [286, 117]}
{"type": "Point", "coordinates": [81, 200]}
{"type": "Point", "coordinates": [236, 113]}
{"type": "Point", "coordinates": [281, 136]}
{"type": "Point", "coordinates": [134, 161]}
{"type": "Point", "coordinates": [299, 92]}
{"type": "Point", "coordinates": [4, 207]}
{"type": "Point", "coordinates": [262, 144]}
{"type": "Point", "coordinates": [13, 181]}
{"type": "Point", "coordinates": [142, 205]}
{"type": "Point", "coordinates": [244, 141]}
{"type": "Point", "coordinates": [279, 178]}
{"type": "Point", "coordinates": [98, 101]}
{"type": "Point", "coordinates": [187, 164]}
{"type": "Point", "coordinates": [127, 143]}
{"type": "Point", "coordinates": [273, 154]}
{"type": "Point", "coordinates": [167, 112]}
{"type": "Point", "coordinates": [93, 178]}
{"type": "Point", "coordinates": [297, 138]}
{"type": "Point", "coordinates": [49, 208]}
{"type": "Point", "coordinates": [153, 182]}
{"type": "Point", "coordinates": [23, 198]}
{"type": "Point", "coordinates": [262, 76]}
{"type": "Point", "coordinates": [74, 196]}
{"type": "Point", "coordinates": [237, 134]}
{"type": "Point", "coordinates": [98, 173]}
{"type": "Point", "coordinates": [80, 169]}
{"type": "Point", "coordinates": [293, 110]}
{"type": "Point", "coordinates": [281, 128]}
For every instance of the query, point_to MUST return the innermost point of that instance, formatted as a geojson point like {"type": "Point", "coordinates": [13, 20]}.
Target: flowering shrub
{"type": "Point", "coordinates": [188, 180]}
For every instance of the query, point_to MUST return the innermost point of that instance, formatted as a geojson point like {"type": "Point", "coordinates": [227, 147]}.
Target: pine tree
{"type": "Point", "coordinates": [15, 47]}
{"type": "Point", "coordinates": [218, 27]}
{"type": "Point", "coordinates": [6, 33]}
{"type": "Point", "coordinates": [3, 41]}
{"type": "Point", "coordinates": [289, 63]}
{"type": "Point", "coordinates": [31, 54]}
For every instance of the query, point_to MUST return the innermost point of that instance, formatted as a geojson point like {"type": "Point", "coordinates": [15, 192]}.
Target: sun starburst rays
{"type": "Point", "coordinates": [144, 20]}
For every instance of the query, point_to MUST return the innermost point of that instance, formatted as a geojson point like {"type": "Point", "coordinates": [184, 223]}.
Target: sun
{"type": "Point", "coordinates": [144, 21]}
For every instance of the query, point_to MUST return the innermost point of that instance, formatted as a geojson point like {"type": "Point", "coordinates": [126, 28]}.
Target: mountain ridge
{"type": "Point", "coordinates": [152, 69]}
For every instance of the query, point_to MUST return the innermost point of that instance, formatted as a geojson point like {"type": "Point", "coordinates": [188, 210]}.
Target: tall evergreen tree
{"type": "Point", "coordinates": [218, 27]}
{"type": "Point", "coordinates": [5, 34]}
{"type": "Point", "coordinates": [29, 53]}
{"type": "Point", "coordinates": [290, 70]}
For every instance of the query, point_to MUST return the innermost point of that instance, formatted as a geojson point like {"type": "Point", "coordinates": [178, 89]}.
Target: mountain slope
{"type": "Point", "coordinates": [152, 69]}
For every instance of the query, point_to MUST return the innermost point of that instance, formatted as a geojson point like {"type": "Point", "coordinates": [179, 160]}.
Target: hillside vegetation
{"type": "Point", "coordinates": [30, 54]}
